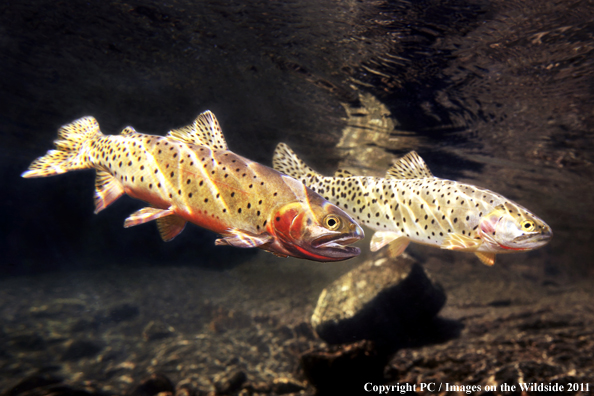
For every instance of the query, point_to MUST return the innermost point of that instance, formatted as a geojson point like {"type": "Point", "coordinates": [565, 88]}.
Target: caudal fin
{"type": "Point", "coordinates": [68, 154]}
{"type": "Point", "coordinates": [287, 162]}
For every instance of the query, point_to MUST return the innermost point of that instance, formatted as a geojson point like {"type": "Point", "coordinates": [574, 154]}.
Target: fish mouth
{"type": "Point", "coordinates": [534, 240]}
{"type": "Point", "coordinates": [337, 247]}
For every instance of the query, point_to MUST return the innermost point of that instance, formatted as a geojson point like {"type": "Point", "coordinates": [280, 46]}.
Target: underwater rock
{"type": "Point", "coordinates": [340, 369]}
{"type": "Point", "coordinates": [156, 330]}
{"type": "Point", "coordinates": [282, 386]}
{"type": "Point", "coordinates": [304, 329]}
{"type": "Point", "coordinates": [257, 387]}
{"type": "Point", "coordinates": [122, 312]}
{"type": "Point", "coordinates": [381, 299]}
{"type": "Point", "coordinates": [79, 349]}
{"type": "Point", "coordinates": [188, 387]}
{"type": "Point", "coordinates": [153, 385]}
{"type": "Point", "coordinates": [229, 381]}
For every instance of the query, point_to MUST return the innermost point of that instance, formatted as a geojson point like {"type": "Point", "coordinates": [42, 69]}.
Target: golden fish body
{"type": "Point", "coordinates": [411, 205]}
{"type": "Point", "coordinates": [190, 175]}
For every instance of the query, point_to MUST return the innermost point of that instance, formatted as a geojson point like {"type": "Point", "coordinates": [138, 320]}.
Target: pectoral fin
{"type": "Point", "coordinates": [486, 258]}
{"type": "Point", "coordinates": [460, 242]}
{"type": "Point", "coordinates": [146, 214]}
{"type": "Point", "coordinates": [243, 239]}
{"type": "Point", "coordinates": [381, 239]}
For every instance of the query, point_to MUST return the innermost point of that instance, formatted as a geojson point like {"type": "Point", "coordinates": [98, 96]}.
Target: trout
{"type": "Point", "coordinates": [412, 205]}
{"type": "Point", "coordinates": [191, 176]}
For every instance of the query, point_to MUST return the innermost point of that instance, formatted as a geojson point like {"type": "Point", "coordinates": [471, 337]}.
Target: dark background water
{"type": "Point", "coordinates": [500, 89]}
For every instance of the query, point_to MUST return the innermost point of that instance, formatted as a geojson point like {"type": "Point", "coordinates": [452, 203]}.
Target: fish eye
{"type": "Point", "coordinates": [527, 225]}
{"type": "Point", "coordinates": [332, 222]}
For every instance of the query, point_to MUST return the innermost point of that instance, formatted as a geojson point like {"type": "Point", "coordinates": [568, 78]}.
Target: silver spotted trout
{"type": "Point", "coordinates": [191, 176]}
{"type": "Point", "coordinates": [412, 205]}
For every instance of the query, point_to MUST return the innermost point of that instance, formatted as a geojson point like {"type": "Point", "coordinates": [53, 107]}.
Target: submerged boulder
{"type": "Point", "coordinates": [383, 299]}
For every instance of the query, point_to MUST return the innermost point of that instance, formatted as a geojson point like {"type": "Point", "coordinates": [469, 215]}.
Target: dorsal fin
{"type": "Point", "coordinates": [287, 162]}
{"type": "Point", "coordinates": [128, 131]}
{"type": "Point", "coordinates": [342, 173]}
{"type": "Point", "coordinates": [411, 166]}
{"type": "Point", "coordinates": [205, 131]}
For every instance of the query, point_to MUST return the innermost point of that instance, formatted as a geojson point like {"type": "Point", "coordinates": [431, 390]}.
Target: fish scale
{"type": "Point", "coordinates": [190, 175]}
{"type": "Point", "coordinates": [411, 205]}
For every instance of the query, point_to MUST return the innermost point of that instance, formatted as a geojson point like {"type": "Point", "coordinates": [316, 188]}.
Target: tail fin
{"type": "Point", "coordinates": [287, 162]}
{"type": "Point", "coordinates": [68, 155]}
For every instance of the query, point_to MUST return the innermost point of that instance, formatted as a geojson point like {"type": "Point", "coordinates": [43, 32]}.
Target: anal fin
{"type": "Point", "coordinates": [398, 247]}
{"type": "Point", "coordinates": [382, 238]}
{"type": "Point", "coordinates": [486, 258]}
{"type": "Point", "coordinates": [243, 239]}
{"type": "Point", "coordinates": [170, 227]}
{"type": "Point", "coordinates": [107, 190]}
{"type": "Point", "coordinates": [145, 215]}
